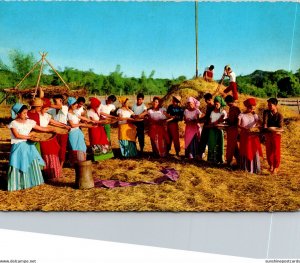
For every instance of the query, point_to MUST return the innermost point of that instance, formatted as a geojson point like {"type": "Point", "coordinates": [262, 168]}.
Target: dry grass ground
{"type": "Point", "coordinates": [201, 187]}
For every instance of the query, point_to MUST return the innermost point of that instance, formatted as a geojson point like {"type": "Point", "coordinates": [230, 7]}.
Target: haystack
{"type": "Point", "coordinates": [195, 88]}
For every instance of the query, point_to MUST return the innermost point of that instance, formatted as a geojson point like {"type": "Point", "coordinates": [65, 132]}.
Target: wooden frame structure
{"type": "Point", "coordinates": [64, 90]}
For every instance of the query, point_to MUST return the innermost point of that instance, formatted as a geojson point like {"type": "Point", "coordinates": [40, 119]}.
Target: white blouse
{"type": "Point", "coordinates": [91, 114]}
{"type": "Point", "coordinates": [22, 128]}
{"type": "Point", "coordinates": [192, 115]}
{"type": "Point", "coordinates": [157, 114]}
{"type": "Point", "coordinates": [45, 119]}
{"type": "Point", "coordinates": [248, 120]}
{"type": "Point", "coordinates": [214, 116]}
{"type": "Point", "coordinates": [61, 115]}
{"type": "Point", "coordinates": [124, 114]}
{"type": "Point", "coordinates": [74, 118]}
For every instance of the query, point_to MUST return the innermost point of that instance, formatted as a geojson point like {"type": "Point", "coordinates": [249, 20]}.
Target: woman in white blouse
{"type": "Point", "coordinates": [50, 148]}
{"type": "Point", "coordinates": [158, 129]}
{"type": "Point", "coordinates": [127, 130]}
{"type": "Point", "coordinates": [216, 136]}
{"type": "Point", "coordinates": [25, 161]}
{"type": "Point", "coordinates": [77, 144]}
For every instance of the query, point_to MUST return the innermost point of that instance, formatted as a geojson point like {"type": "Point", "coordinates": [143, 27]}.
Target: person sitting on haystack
{"type": "Point", "coordinates": [208, 74]}
{"type": "Point", "coordinates": [232, 82]}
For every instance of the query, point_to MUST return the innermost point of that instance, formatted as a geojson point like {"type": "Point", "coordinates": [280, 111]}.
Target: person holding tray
{"type": "Point", "coordinates": [50, 148]}
{"type": "Point", "coordinates": [250, 148]}
{"type": "Point", "coordinates": [98, 139]}
{"type": "Point", "coordinates": [273, 123]}
{"type": "Point", "coordinates": [127, 130]}
{"type": "Point", "coordinates": [59, 113]}
{"type": "Point", "coordinates": [232, 148]}
{"type": "Point", "coordinates": [216, 135]}
{"type": "Point", "coordinates": [77, 144]}
{"type": "Point", "coordinates": [157, 128]}
{"type": "Point", "coordinates": [25, 161]}
{"type": "Point", "coordinates": [192, 132]}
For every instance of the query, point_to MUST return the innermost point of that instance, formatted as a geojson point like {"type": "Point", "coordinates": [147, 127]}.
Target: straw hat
{"type": "Point", "coordinates": [36, 102]}
{"type": "Point", "coordinates": [177, 97]}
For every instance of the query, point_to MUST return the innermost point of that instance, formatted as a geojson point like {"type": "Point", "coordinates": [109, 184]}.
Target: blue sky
{"type": "Point", "coordinates": [154, 35]}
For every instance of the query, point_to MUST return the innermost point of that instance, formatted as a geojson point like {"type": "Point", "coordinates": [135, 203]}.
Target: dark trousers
{"type": "Point", "coordinates": [203, 140]}
{"type": "Point", "coordinates": [140, 134]}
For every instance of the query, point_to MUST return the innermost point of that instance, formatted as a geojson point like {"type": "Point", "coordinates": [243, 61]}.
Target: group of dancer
{"type": "Point", "coordinates": [32, 162]}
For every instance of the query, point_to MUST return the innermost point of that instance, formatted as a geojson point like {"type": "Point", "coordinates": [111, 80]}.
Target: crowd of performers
{"type": "Point", "coordinates": [33, 162]}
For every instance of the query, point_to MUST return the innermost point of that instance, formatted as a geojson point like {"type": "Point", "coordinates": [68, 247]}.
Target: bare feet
{"type": "Point", "coordinates": [275, 171]}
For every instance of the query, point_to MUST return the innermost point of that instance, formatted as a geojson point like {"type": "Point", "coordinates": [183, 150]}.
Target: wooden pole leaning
{"type": "Point", "coordinates": [40, 73]}
{"type": "Point", "coordinates": [57, 73]}
{"type": "Point", "coordinates": [196, 35]}
{"type": "Point", "coordinates": [32, 69]}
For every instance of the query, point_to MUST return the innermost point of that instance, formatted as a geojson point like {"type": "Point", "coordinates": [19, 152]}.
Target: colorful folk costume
{"type": "Point", "coordinates": [127, 131]}
{"type": "Point", "coordinates": [273, 139]}
{"type": "Point", "coordinates": [107, 109]}
{"type": "Point", "coordinates": [158, 132]}
{"type": "Point", "coordinates": [61, 115]}
{"type": "Point", "coordinates": [192, 130]}
{"type": "Point", "coordinates": [215, 135]}
{"type": "Point", "coordinates": [98, 140]}
{"type": "Point", "coordinates": [232, 132]}
{"type": "Point", "coordinates": [50, 148]}
{"type": "Point", "coordinates": [173, 129]}
{"type": "Point", "coordinates": [250, 148]}
{"type": "Point", "coordinates": [25, 161]}
{"type": "Point", "coordinates": [76, 140]}
{"type": "Point", "coordinates": [205, 130]}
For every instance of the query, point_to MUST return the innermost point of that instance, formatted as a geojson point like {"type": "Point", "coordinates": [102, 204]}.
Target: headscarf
{"type": "Point", "coordinates": [122, 100]}
{"type": "Point", "coordinates": [94, 103]}
{"type": "Point", "coordinates": [46, 103]}
{"type": "Point", "coordinates": [220, 100]}
{"type": "Point", "coordinates": [250, 102]}
{"type": "Point", "coordinates": [196, 102]}
{"type": "Point", "coordinates": [15, 110]}
{"type": "Point", "coordinates": [71, 101]}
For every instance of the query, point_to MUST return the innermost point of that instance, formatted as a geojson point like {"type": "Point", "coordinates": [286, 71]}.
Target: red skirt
{"type": "Point", "coordinates": [233, 88]}
{"type": "Point", "coordinates": [97, 136]}
{"type": "Point", "coordinates": [62, 140]}
{"type": "Point", "coordinates": [249, 145]}
{"type": "Point", "coordinates": [50, 147]}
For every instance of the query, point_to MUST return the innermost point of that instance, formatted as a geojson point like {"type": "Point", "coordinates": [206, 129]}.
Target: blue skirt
{"type": "Point", "coordinates": [128, 148]}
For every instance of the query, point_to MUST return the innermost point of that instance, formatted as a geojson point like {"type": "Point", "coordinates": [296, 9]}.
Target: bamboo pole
{"type": "Point", "coordinates": [32, 69]}
{"type": "Point", "coordinates": [40, 73]}
{"type": "Point", "coordinates": [57, 73]}
{"type": "Point", "coordinates": [196, 35]}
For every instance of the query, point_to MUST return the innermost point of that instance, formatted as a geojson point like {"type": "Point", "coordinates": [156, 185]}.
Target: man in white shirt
{"type": "Point", "coordinates": [232, 84]}
{"type": "Point", "coordinates": [106, 108]}
{"type": "Point", "coordinates": [59, 113]}
{"type": "Point", "coordinates": [139, 109]}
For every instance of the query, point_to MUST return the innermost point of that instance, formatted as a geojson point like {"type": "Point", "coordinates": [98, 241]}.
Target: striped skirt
{"type": "Point", "coordinates": [128, 148]}
{"type": "Point", "coordinates": [53, 167]}
{"type": "Point", "coordinates": [18, 180]}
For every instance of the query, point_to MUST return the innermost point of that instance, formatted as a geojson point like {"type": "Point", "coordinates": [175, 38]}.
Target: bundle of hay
{"type": "Point", "coordinates": [191, 88]}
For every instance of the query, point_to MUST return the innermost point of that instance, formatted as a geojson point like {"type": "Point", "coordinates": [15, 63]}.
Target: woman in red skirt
{"type": "Point", "coordinates": [51, 147]}
{"type": "Point", "coordinates": [98, 139]}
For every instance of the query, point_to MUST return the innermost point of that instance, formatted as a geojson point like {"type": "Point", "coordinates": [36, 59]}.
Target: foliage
{"type": "Point", "coordinates": [260, 83]}
{"type": "Point", "coordinates": [280, 83]}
